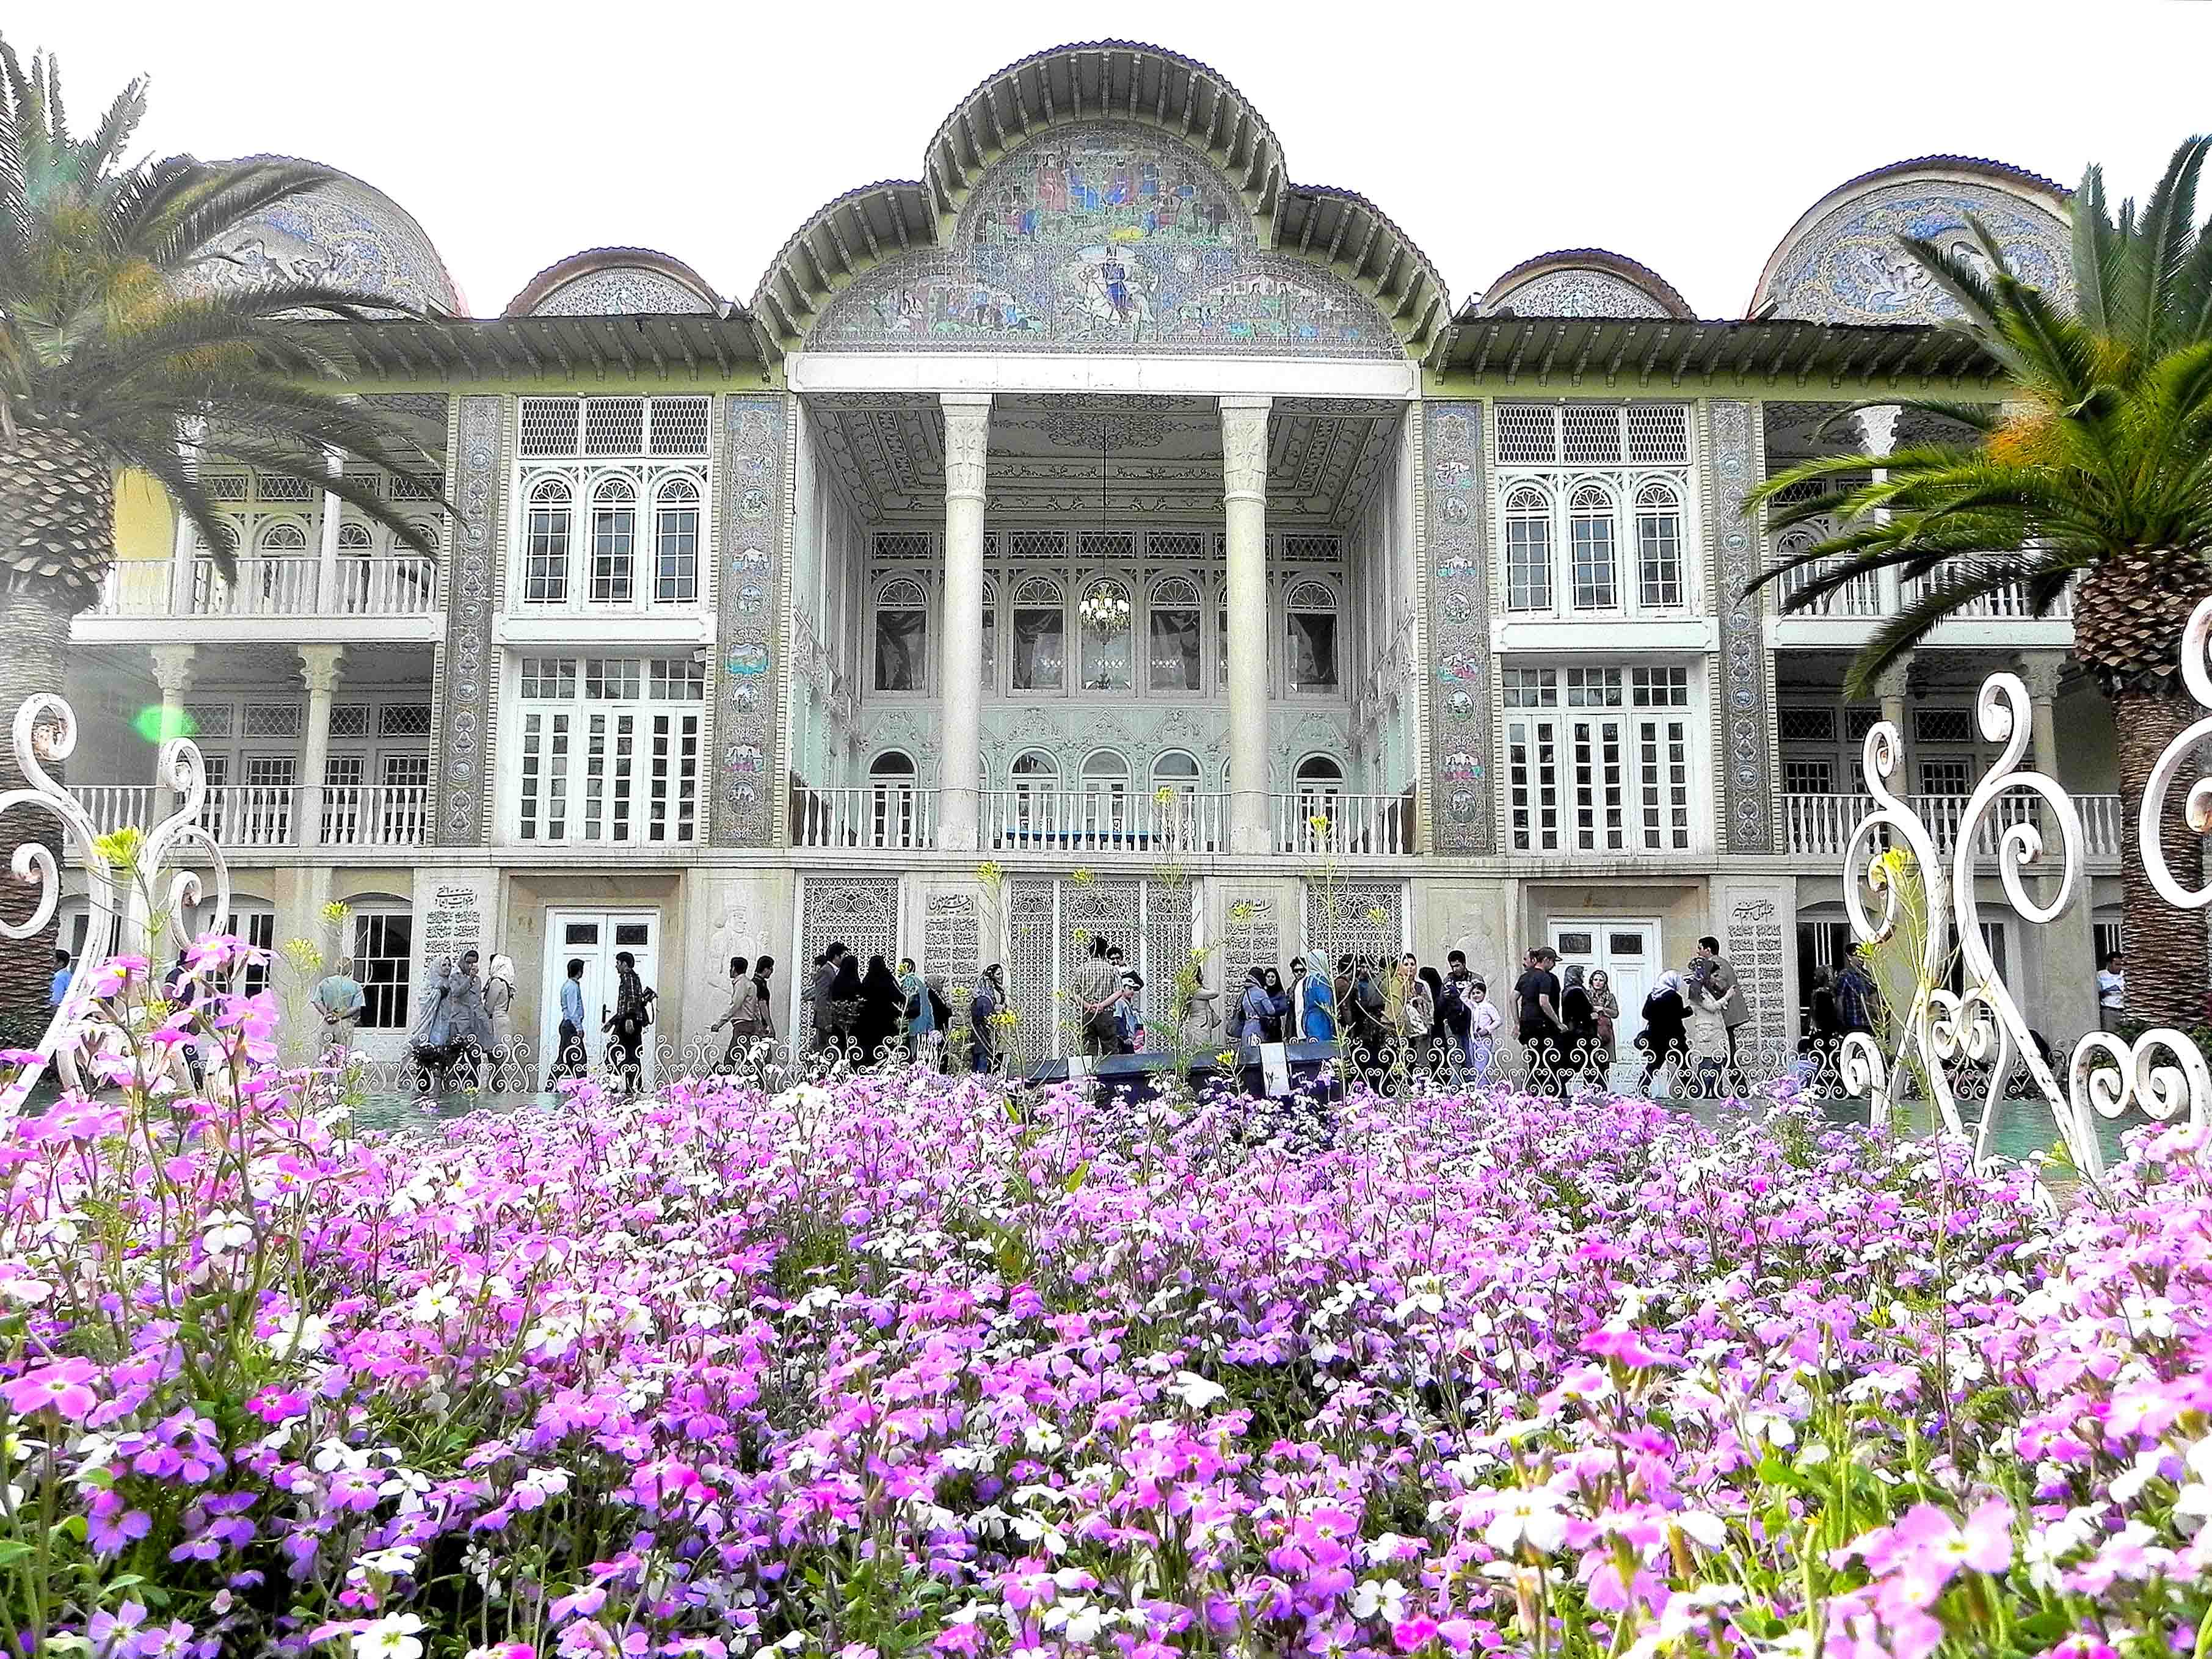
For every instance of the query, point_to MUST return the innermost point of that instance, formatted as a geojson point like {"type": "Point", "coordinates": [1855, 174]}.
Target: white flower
{"type": "Point", "coordinates": [393, 1635]}
{"type": "Point", "coordinates": [1386, 1597]}
{"type": "Point", "coordinates": [1197, 1392]}
{"type": "Point", "coordinates": [300, 1333]}
{"type": "Point", "coordinates": [225, 1231]}
{"type": "Point", "coordinates": [435, 1303]}
{"type": "Point", "coordinates": [1707, 1530]}
{"type": "Point", "coordinates": [1526, 1515]}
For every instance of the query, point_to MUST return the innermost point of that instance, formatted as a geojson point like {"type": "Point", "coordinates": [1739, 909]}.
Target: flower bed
{"type": "Point", "coordinates": [903, 1366]}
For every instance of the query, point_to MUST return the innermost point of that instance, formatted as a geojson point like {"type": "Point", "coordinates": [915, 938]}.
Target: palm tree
{"type": "Point", "coordinates": [2096, 464]}
{"type": "Point", "coordinates": [107, 357]}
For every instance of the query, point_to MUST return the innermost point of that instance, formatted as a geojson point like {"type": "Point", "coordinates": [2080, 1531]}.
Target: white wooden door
{"type": "Point", "coordinates": [595, 938]}
{"type": "Point", "coordinates": [1627, 952]}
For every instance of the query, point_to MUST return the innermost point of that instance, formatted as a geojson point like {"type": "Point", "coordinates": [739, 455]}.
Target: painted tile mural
{"type": "Point", "coordinates": [746, 703]}
{"type": "Point", "coordinates": [1746, 720]}
{"type": "Point", "coordinates": [463, 764]}
{"type": "Point", "coordinates": [1851, 267]}
{"type": "Point", "coordinates": [1459, 628]}
{"type": "Point", "coordinates": [1105, 238]}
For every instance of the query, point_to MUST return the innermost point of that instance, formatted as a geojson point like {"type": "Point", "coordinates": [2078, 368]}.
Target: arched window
{"type": "Point", "coordinates": [354, 538]}
{"type": "Point", "coordinates": [990, 652]}
{"type": "Point", "coordinates": [1035, 780]}
{"type": "Point", "coordinates": [281, 581]}
{"type": "Point", "coordinates": [1589, 514]}
{"type": "Point", "coordinates": [1172, 651]}
{"type": "Point", "coordinates": [1320, 784]}
{"type": "Point", "coordinates": [1039, 636]}
{"type": "Point", "coordinates": [902, 635]}
{"type": "Point", "coordinates": [1108, 632]}
{"type": "Point", "coordinates": [279, 539]}
{"type": "Point", "coordinates": [426, 533]}
{"type": "Point", "coordinates": [545, 558]}
{"type": "Point", "coordinates": [1527, 549]}
{"type": "Point", "coordinates": [1311, 661]}
{"type": "Point", "coordinates": [891, 799]}
{"type": "Point", "coordinates": [614, 541]}
{"type": "Point", "coordinates": [676, 543]}
{"type": "Point", "coordinates": [1177, 769]}
{"type": "Point", "coordinates": [383, 958]}
{"type": "Point", "coordinates": [1658, 545]}
{"type": "Point", "coordinates": [1105, 793]}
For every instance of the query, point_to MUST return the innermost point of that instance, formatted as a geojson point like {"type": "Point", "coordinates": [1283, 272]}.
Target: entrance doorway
{"type": "Point", "coordinates": [1626, 952]}
{"type": "Point", "coordinates": [595, 937]}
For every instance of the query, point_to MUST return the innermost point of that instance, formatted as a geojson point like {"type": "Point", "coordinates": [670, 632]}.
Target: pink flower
{"type": "Point", "coordinates": [1410, 1634]}
{"type": "Point", "coordinates": [62, 1388]}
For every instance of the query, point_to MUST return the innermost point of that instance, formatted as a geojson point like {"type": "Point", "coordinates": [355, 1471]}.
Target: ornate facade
{"type": "Point", "coordinates": [1100, 508]}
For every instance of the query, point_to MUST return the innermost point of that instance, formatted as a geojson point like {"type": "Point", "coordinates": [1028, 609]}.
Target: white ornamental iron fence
{"type": "Point", "coordinates": [120, 888]}
{"type": "Point", "coordinates": [2162, 1073]}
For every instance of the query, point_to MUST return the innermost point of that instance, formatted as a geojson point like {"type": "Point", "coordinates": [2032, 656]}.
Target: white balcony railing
{"type": "Point", "coordinates": [256, 814]}
{"type": "Point", "coordinates": [379, 585]}
{"type": "Point", "coordinates": [1158, 824]}
{"type": "Point", "coordinates": [135, 587]}
{"type": "Point", "coordinates": [1820, 826]}
{"type": "Point", "coordinates": [870, 816]}
{"type": "Point", "coordinates": [1334, 823]}
{"type": "Point", "coordinates": [1859, 597]}
{"type": "Point", "coordinates": [386, 585]}
{"type": "Point", "coordinates": [2008, 603]}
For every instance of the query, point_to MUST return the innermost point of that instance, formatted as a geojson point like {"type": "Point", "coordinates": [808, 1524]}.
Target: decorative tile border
{"type": "Point", "coordinates": [754, 514]}
{"type": "Point", "coordinates": [1459, 708]}
{"type": "Point", "coordinates": [464, 668]}
{"type": "Point", "coordinates": [1745, 702]}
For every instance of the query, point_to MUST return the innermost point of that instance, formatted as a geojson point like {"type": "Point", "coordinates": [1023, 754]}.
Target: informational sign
{"type": "Point", "coordinates": [1274, 1070]}
{"type": "Point", "coordinates": [454, 924]}
{"type": "Point", "coordinates": [1752, 924]}
{"type": "Point", "coordinates": [1080, 1066]}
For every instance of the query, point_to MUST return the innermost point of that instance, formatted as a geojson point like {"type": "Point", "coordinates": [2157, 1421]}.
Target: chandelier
{"type": "Point", "coordinates": [1104, 609]}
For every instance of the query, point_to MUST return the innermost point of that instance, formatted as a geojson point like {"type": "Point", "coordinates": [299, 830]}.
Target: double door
{"type": "Point", "coordinates": [595, 938]}
{"type": "Point", "coordinates": [1626, 952]}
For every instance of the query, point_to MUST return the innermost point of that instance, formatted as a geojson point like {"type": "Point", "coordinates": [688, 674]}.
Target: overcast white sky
{"type": "Point", "coordinates": [1687, 135]}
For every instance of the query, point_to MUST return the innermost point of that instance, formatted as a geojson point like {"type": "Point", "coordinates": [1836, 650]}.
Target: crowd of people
{"type": "Point", "coordinates": [869, 1013]}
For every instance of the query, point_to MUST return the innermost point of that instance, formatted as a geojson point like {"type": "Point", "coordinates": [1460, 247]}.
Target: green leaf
{"type": "Point", "coordinates": [1075, 1176]}
{"type": "Point", "coordinates": [12, 1550]}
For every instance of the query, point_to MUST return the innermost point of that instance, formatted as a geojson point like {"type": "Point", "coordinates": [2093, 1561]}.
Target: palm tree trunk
{"type": "Point", "coordinates": [34, 644]}
{"type": "Point", "coordinates": [2166, 947]}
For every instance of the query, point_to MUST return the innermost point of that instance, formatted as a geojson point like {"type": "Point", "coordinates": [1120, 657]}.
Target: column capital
{"type": "Point", "coordinates": [1244, 447]}
{"type": "Point", "coordinates": [321, 665]}
{"type": "Point", "coordinates": [172, 667]}
{"type": "Point", "coordinates": [967, 442]}
{"type": "Point", "coordinates": [1877, 425]}
{"type": "Point", "coordinates": [2041, 671]}
{"type": "Point", "coordinates": [1894, 680]}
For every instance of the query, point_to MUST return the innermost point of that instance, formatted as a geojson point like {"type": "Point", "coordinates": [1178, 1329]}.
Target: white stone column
{"type": "Point", "coordinates": [181, 551]}
{"type": "Point", "coordinates": [960, 749]}
{"type": "Point", "coordinates": [1891, 686]}
{"type": "Point", "coordinates": [320, 666]}
{"type": "Point", "coordinates": [1244, 502]}
{"type": "Point", "coordinates": [172, 672]}
{"type": "Point", "coordinates": [327, 568]}
{"type": "Point", "coordinates": [1877, 425]}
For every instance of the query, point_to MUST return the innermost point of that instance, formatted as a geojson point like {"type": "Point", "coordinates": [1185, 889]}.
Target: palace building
{"type": "Point", "coordinates": [1099, 532]}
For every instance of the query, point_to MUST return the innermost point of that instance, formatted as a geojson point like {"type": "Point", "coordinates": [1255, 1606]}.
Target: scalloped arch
{"type": "Point", "coordinates": [1324, 272]}
{"type": "Point", "coordinates": [347, 234]}
{"type": "Point", "coordinates": [1841, 263]}
{"type": "Point", "coordinates": [1583, 281]}
{"type": "Point", "coordinates": [605, 281]}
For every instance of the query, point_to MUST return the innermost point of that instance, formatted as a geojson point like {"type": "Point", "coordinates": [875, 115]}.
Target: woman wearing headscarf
{"type": "Point", "coordinates": [1665, 1037]}
{"type": "Point", "coordinates": [990, 997]}
{"type": "Point", "coordinates": [1578, 1019]}
{"type": "Point", "coordinates": [881, 1001]}
{"type": "Point", "coordinates": [499, 1008]}
{"type": "Point", "coordinates": [1319, 1004]}
{"type": "Point", "coordinates": [1607, 1007]}
{"type": "Point", "coordinates": [840, 1007]}
{"type": "Point", "coordinates": [1437, 1039]}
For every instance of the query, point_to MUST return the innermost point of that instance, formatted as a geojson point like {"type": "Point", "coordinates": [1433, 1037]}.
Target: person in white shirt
{"type": "Point", "coordinates": [2111, 992]}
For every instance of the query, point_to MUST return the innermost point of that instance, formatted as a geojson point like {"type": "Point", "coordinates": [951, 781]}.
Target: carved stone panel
{"type": "Point", "coordinates": [1460, 694]}
{"type": "Point", "coordinates": [462, 770]}
{"type": "Point", "coordinates": [755, 521]}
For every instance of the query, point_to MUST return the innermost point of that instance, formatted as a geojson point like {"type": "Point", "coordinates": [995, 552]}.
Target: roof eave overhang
{"type": "Point", "coordinates": [1642, 353]}
{"type": "Point", "coordinates": [510, 348]}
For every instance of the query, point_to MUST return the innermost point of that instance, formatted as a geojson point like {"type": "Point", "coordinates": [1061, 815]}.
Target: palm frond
{"type": "Point", "coordinates": [2164, 240]}
{"type": "Point", "coordinates": [2099, 255]}
{"type": "Point", "coordinates": [1939, 601]}
{"type": "Point", "coordinates": [104, 147]}
{"type": "Point", "coordinates": [292, 462]}
{"type": "Point", "coordinates": [201, 207]}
